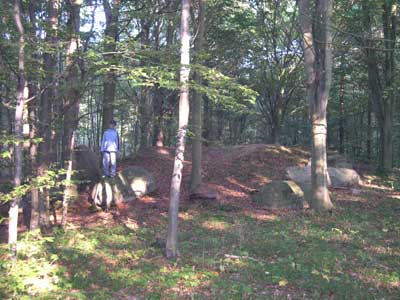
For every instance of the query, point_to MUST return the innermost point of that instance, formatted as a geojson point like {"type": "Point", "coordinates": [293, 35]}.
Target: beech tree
{"type": "Point", "coordinates": [317, 43]}
{"type": "Point", "coordinates": [195, 179]}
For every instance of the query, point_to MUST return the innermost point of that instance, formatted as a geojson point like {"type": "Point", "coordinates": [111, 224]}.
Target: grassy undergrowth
{"type": "Point", "coordinates": [226, 253]}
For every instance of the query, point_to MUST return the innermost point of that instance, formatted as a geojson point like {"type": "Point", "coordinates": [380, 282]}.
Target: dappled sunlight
{"type": "Point", "coordinates": [216, 225]}
{"type": "Point", "coordinates": [261, 216]}
{"type": "Point", "coordinates": [243, 187]}
{"type": "Point", "coordinates": [185, 216]}
{"type": "Point", "coordinates": [230, 193]}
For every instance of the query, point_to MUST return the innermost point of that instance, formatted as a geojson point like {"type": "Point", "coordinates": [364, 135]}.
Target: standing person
{"type": "Point", "coordinates": [109, 148]}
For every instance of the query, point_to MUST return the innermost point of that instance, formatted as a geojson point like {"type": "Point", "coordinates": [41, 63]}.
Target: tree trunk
{"type": "Point", "coordinates": [13, 213]}
{"type": "Point", "coordinates": [195, 179]}
{"type": "Point", "coordinates": [73, 100]}
{"type": "Point", "coordinates": [47, 101]}
{"type": "Point", "coordinates": [109, 82]}
{"type": "Point", "coordinates": [317, 42]}
{"type": "Point", "coordinates": [32, 107]}
{"type": "Point", "coordinates": [146, 97]}
{"type": "Point", "coordinates": [389, 30]}
{"type": "Point", "coordinates": [172, 237]}
{"type": "Point", "coordinates": [383, 103]}
{"type": "Point", "coordinates": [208, 126]}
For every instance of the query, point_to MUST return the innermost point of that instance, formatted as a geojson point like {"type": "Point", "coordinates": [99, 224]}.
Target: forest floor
{"type": "Point", "coordinates": [231, 248]}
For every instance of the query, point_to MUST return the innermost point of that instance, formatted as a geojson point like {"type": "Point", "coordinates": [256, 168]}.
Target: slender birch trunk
{"type": "Point", "coordinates": [172, 237]}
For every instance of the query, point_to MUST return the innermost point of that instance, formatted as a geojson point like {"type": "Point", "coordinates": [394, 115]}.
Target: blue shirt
{"type": "Point", "coordinates": [110, 142]}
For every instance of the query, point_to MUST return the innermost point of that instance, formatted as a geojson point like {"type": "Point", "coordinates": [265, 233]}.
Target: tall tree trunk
{"type": "Point", "coordinates": [382, 90]}
{"type": "Point", "coordinates": [317, 42]}
{"type": "Point", "coordinates": [172, 237]}
{"type": "Point", "coordinates": [13, 213]}
{"type": "Point", "coordinates": [73, 99]}
{"type": "Point", "coordinates": [111, 36]}
{"type": "Point", "coordinates": [195, 179]}
{"type": "Point", "coordinates": [389, 30]}
{"type": "Point", "coordinates": [47, 100]}
{"type": "Point", "coordinates": [32, 108]}
{"type": "Point", "coordinates": [146, 93]}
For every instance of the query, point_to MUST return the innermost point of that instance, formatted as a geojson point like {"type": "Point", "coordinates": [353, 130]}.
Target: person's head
{"type": "Point", "coordinates": [113, 123]}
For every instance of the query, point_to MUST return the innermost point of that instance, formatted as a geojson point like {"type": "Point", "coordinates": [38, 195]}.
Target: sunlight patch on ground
{"type": "Point", "coordinates": [131, 224]}
{"type": "Point", "coordinates": [246, 188]}
{"type": "Point", "coordinates": [215, 225]}
{"type": "Point", "coordinates": [229, 192]}
{"type": "Point", "coordinates": [185, 216]}
{"type": "Point", "coordinates": [261, 216]}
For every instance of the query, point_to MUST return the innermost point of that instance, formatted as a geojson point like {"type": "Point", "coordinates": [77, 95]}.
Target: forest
{"type": "Point", "coordinates": [199, 149]}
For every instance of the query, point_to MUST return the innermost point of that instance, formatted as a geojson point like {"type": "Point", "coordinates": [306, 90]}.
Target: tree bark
{"type": "Point", "coordinates": [47, 101]}
{"type": "Point", "coordinates": [109, 82]}
{"type": "Point", "coordinates": [172, 237]}
{"type": "Point", "coordinates": [383, 103]}
{"type": "Point", "coordinates": [72, 101]}
{"type": "Point", "coordinates": [13, 213]}
{"type": "Point", "coordinates": [195, 179]}
{"type": "Point", "coordinates": [32, 108]}
{"type": "Point", "coordinates": [317, 43]}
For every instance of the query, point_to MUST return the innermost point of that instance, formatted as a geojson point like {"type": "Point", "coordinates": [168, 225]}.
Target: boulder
{"type": "Point", "coordinates": [338, 177]}
{"type": "Point", "coordinates": [127, 185]}
{"type": "Point", "coordinates": [86, 163]}
{"type": "Point", "coordinates": [299, 174]}
{"type": "Point", "coordinates": [281, 194]}
{"type": "Point", "coordinates": [343, 177]}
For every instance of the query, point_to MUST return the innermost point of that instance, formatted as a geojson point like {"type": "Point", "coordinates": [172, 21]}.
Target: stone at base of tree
{"type": "Point", "coordinates": [281, 194]}
{"type": "Point", "coordinates": [343, 177]}
{"type": "Point", "coordinates": [127, 185]}
{"type": "Point", "coordinates": [204, 192]}
{"type": "Point", "coordinates": [337, 177]}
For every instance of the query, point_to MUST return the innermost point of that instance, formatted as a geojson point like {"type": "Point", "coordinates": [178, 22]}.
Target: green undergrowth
{"type": "Point", "coordinates": [351, 253]}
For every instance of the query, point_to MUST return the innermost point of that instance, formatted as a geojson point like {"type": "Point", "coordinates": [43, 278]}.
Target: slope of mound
{"type": "Point", "coordinates": [234, 171]}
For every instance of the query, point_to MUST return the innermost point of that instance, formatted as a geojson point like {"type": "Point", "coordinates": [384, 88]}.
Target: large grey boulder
{"type": "Point", "coordinates": [86, 164]}
{"type": "Point", "coordinates": [127, 185]}
{"type": "Point", "coordinates": [337, 177]}
{"type": "Point", "coordinates": [281, 194]}
{"type": "Point", "coordinates": [344, 177]}
{"type": "Point", "coordinates": [299, 174]}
